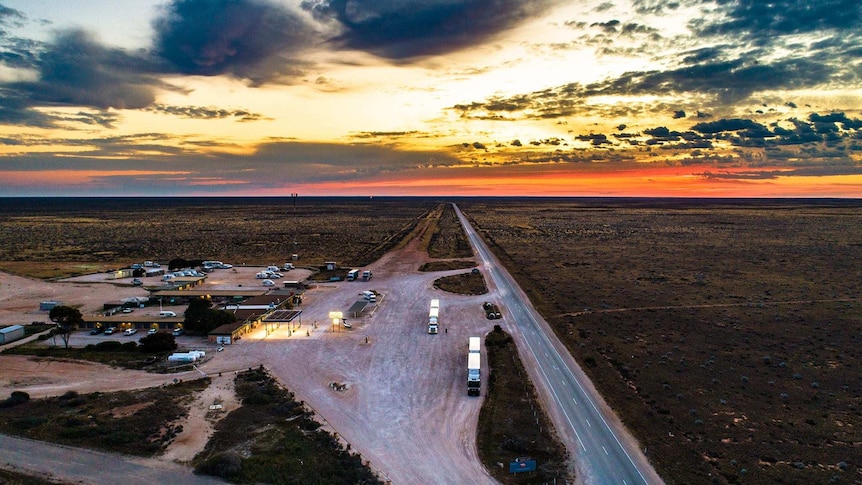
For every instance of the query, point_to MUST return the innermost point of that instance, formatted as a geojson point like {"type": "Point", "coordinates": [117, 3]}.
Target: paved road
{"type": "Point", "coordinates": [80, 466]}
{"type": "Point", "coordinates": [605, 453]}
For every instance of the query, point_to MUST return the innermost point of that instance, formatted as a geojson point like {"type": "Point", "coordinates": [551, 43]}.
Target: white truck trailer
{"type": "Point", "coordinates": [474, 373]}
{"type": "Point", "coordinates": [433, 320]}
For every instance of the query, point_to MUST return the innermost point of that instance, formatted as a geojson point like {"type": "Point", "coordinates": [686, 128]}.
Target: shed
{"type": "Point", "coordinates": [47, 306]}
{"type": "Point", "coordinates": [356, 309]}
{"type": "Point", "coordinates": [11, 334]}
{"type": "Point", "coordinates": [228, 333]}
{"type": "Point", "coordinates": [331, 265]}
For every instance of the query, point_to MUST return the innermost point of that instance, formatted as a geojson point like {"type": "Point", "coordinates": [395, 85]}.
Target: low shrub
{"type": "Point", "coordinates": [17, 398]}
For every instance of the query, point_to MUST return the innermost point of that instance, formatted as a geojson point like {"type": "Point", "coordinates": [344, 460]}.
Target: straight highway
{"type": "Point", "coordinates": [603, 450]}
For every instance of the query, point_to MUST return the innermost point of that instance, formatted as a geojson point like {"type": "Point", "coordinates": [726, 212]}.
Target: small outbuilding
{"type": "Point", "coordinates": [11, 334]}
{"type": "Point", "coordinates": [229, 333]}
{"type": "Point", "coordinates": [47, 306]}
{"type": "Point", "coordinates": [356, 309]}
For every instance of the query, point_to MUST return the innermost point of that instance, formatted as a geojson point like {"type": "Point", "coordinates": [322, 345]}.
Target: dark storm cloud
{"type": "Point", "coordinates": [401, 29]}
{"type": "Point", "coordinates": [735, 124]}
{"type": "Point", "coordinates": [726, 81]}
{"type": "Point", "coordinates": [813, 171]}
{"type": "Point", "coordinates": [206, 113]}
{"type": "Point", "coordinates": [655, 7]}
{"type": "Point", "coordinates": [249, 39]}
{"type": "Point", "coordinates": [16, 110]}
{"type": "Point", "coordinates": [765, 20]}
{"type": "Point", "coordinates": [75, 70]}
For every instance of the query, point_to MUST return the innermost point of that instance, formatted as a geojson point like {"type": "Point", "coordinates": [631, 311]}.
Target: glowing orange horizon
{"type": "Point", "coordinates": [648, 182]}
{"type": "Point", "coordinates": [508, 181]}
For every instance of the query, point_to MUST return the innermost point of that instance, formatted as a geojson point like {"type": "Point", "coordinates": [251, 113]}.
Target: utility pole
{"type": "Point", "coordinates": [294, 196]}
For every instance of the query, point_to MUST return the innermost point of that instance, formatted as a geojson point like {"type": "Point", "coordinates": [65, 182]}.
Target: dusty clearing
{"type": "Point", "coordinates": [400, 381]}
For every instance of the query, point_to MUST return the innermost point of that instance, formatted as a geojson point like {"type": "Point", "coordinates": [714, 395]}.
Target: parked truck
{"type": "Point", "coordinates": [366, 275]}
{"type": "Point", "coordinates": [474, 367]}
{"type": "Point", "coordinates": [434, 317]}
{"type": "Point", "coordinates": [352, 275]}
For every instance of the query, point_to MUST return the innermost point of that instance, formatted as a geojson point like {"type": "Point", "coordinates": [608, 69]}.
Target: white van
{"type": "Point", "coordinates": [167, 313]}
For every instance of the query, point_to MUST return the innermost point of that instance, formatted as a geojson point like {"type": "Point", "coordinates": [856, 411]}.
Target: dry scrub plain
{"type": "Point", "coordinates": [87, 235]}
{"type": "Point", "coordinates": [726, 334]}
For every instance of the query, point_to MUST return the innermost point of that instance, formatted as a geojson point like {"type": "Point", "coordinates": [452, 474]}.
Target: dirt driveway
{"type": "Point", "coordinates": [403, 405]}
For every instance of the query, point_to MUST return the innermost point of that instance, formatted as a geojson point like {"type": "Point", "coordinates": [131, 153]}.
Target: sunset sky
{"type": "Point", "coordinates": [687, 98]}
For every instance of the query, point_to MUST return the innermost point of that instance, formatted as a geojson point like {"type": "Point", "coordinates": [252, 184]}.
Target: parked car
{"type": "Point", "coordinates": [130, 331]}
{"type": "Point", "coordinates": [110, 330]}
{"type": "Point", "coordinates": [127, 310]}
{"type": "Point", "coordinates": [137, 282]}
{"type": "Point", "coordinates": [220, 348]}
{"type": "Point", "coordinates": [177, 332]}
{"type": "Point", "coordinates": [268, 283]}
{"type": "Point", "coordinates": [96, 331]}
{"type": "Point", "coordinates": [152, 331]}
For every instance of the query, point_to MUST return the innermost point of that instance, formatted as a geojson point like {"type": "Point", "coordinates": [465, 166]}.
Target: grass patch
{"type": "Point", "coordinates": [37, 327]}
{"type": "Point", "coordinates": [272, 438]}
{"type": "Point", "coordinates": [508, 426]}
{"type": "Point", "coordinates": [41, 238]}
{"type": "Point", "coordinates": [138, 422]}
{"type": "Point", "coordinates": [126, 357]}
{"type": "Point", "coordinates": [8, 477]}
{"type": "Point", "coordinates": [463, 284]}
{"type": "Point", "coordinates": [49, 270]}
{"type": "Point", "coordinates": [447, 265]}
{"type": "Point", "coordinates": [447, 239]}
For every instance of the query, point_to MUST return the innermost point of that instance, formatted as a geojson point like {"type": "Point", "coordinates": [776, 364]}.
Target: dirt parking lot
{"type": "Point", "coordinates": [397, 382]}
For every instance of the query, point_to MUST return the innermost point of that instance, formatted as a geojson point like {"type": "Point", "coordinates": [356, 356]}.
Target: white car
{"type": "Point", "coordinates": [268, 283]}
{"type": "Point", "coordinates": [152, 331]}
{"type": "Point", "coordinates": [130, 331]}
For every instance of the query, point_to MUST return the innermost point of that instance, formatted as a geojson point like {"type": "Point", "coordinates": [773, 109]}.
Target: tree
{"type": "Point", "coordinates": [158, 342]}
{"type": "Point", "coordinates": [67, 320]}
{"type": "Point", "coordinates": [200, 318]}
{"type": "Point", "coordinates": [196, 315]}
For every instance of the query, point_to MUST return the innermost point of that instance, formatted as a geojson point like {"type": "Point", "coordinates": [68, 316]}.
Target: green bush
{"type": "Point", "coordinates": [108, 346]}
{"type": "Point", "coordinates": [17, 397]}
{"type": "Point", "coordinates": [225, 465]}
{"type": "Point", "coordinates": [257, 399]}
{"type": "Point", "coordinates": [28, 422]}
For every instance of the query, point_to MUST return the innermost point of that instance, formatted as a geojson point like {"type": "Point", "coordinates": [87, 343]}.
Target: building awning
{"type": "Point", "coordinates": [357, 308]}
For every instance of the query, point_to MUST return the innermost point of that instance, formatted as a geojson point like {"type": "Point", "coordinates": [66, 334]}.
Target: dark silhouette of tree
{"type": "Point", "coordinates": [67, 320]}
{"type": "Point", "coordinates": [158, 342]}
{"type": "Point", "coordinates": [201, 318]}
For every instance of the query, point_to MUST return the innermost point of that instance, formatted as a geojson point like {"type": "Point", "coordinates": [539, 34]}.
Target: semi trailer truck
{"type": "Point", "coordinates": [474, 367]}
